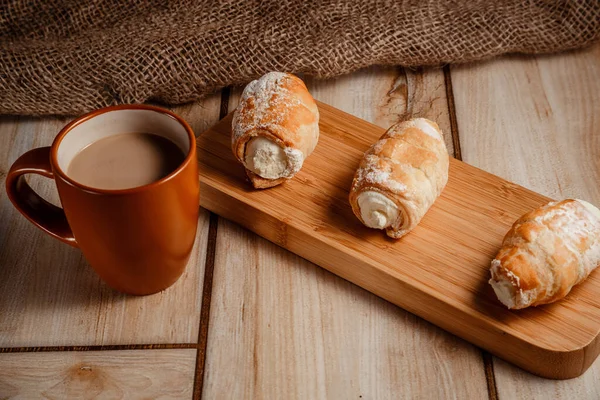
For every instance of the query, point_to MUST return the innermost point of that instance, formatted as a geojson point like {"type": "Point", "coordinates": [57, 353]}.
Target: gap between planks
{"type": "Point", "coordinates": [452, 113]}
{"type": "Point", "coordinates": [488, 361]}
{"type": "Point", "coordinates": [42, 349]}
{"type": "Point", "coordinates": [201, 344]}
{"type": "Point", "coordinates": [209, 267]}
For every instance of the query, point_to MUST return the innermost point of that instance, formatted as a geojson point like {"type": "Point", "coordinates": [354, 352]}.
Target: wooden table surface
{"type": "Point", "coordinates": [251, 320]}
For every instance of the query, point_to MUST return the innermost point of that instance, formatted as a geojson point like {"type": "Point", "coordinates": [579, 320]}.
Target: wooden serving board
{"type": "Point", "coordinates": [438, 272]}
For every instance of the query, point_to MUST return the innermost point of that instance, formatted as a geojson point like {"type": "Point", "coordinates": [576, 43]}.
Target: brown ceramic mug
{"type": "Point", "coordinates": [138, 240]}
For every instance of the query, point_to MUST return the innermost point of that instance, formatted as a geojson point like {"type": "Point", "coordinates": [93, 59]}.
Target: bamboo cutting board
{"type": "Point", "coordinates": [438, 272]}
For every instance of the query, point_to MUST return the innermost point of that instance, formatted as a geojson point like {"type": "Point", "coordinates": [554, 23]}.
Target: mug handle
{"type": "Point", "coordinates": [46, 216]}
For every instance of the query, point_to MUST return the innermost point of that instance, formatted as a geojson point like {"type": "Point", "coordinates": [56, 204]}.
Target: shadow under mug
{"type": "Point", "coordinates": [138, 240]}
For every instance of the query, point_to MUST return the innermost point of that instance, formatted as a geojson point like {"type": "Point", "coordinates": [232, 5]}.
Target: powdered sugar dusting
{"type": "Point", "coordinates": [384, 178]}
{"type": "Point", "coordinates": [373, 175]}
{"type": "Point", "coordinates": [264, 95]}
{"type": "Point", "coordinates": [590, 207]}
{"type": "Point", "coordinates": [424, 125]}
{"type": "Point", "coordinates": [578, 230]}
{"type": "Point", "coordinates": [565, 218]}
{"type": "Point", "coordinates": [572, 223]}
{"type": "Point", "coordinates": [378, 146]}
{"type": "Point", "coordinates": [389, 168]}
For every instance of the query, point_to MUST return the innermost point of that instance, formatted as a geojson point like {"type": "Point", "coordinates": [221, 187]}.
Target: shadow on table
{"type": "Point", "coordinates": [41, 277]}
{"type": "Point", "coordinates": [41, 272]}
{"type": "Point", "coordinates": [37, 272]}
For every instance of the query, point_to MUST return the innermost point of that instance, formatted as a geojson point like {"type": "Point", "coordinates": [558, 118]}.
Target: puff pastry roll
{"type": "Point", "coordinates": [400, 177]}
{"type": "Point", "coordinates": [275, 127]}
{"type": "Point", "coordinates": [547, 252]}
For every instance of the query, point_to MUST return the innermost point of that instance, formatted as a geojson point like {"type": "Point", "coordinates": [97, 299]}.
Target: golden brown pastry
{"type": "Point", "coordinates": [400, 177]}
{"type": "Point", "coordinates": [547, 252]}
{"type": "Point", "coordinates": [275, 127]}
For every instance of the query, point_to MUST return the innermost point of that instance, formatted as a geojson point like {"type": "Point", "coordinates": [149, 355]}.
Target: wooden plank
{"type": "Point", "coordinates": [385, 96]}
{"type": "Point", "coordinates": [514, 383]}
{"type": "Point", "coordinates": [535, 121]}
{"type": "Point", "coordinates": [439, 271]}
{"type": "Point", "coordinates": [128, 374]}
{"type": "Point", "coordinates": [49, 296]}
{"type": "Point", "coordinates": [282, 327]}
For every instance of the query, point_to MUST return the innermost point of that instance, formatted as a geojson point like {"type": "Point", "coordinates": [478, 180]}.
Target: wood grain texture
{"type": "Point", "coordinates": [385, 96]}
{"type": "Point", "coordinates": [515, 383]}
{"type": "Point", "coordinates": [128, 374]}
{"type": "Point", "coordinates": [284, 328]}
{"type": "Point", "coordinates": [535, 121]}
{"type": "Point", "coordinates": [49, 296]}
{"type": "Point", "coordinates": [440, 272]}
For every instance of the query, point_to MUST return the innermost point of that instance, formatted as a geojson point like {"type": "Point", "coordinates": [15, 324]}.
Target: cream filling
{"type": "Point", "coordinates": [376, 210]}
{"type": "Point", "coordinates": [508, 290]}
{"type": "Point", "coordinates": [591, 208]}
{"type": "Point", "coordinates": [265, 158]}
{"type": "Point", "coordinates": [505, 292]}
{"type": "Point", "coordinates": [504, 289]}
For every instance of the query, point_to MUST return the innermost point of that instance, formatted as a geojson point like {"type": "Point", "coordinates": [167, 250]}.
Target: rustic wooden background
{"type": "Point", "coordinates": [250, 320]}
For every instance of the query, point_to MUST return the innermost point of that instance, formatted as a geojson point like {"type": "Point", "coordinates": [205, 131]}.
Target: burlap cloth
{"type": "Point", "coordinates": [71, 56]}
